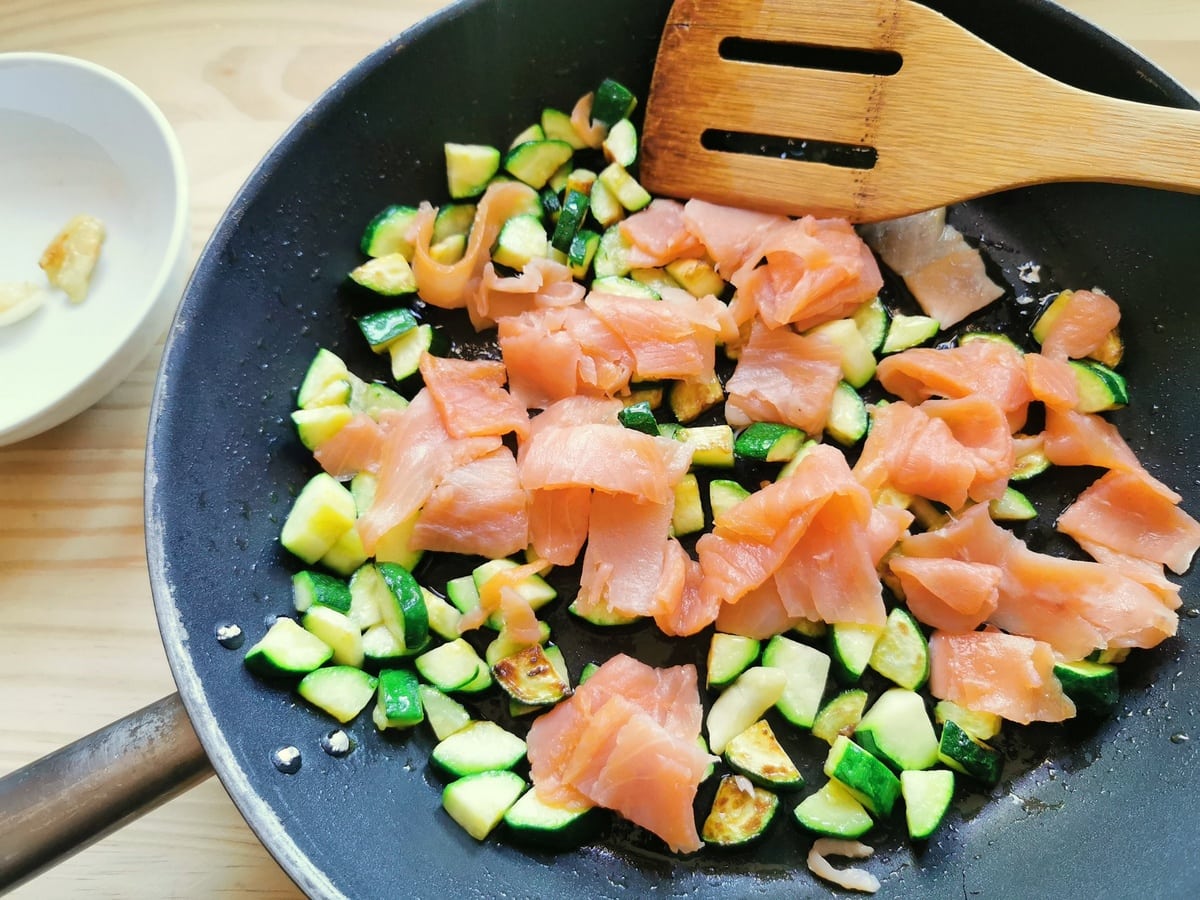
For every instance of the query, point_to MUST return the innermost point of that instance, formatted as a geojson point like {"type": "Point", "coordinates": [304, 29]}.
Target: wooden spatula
{"type": "Point", "coordinates": [932, 114]}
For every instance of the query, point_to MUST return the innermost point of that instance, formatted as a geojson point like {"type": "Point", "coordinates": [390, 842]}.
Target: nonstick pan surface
{"type": "Point", "coordinates": [1088, 809]}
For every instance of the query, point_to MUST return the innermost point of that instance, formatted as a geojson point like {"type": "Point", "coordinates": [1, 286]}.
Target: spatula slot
{"type": "Point", "coordinates": [811, 56]}
{"type": "Point", "coordinates": [829, 153]}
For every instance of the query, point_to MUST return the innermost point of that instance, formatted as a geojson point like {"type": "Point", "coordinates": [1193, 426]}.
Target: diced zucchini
{"type": "Point", "coordinates": [533, 162]}
{"type": "Point", "coordinates": [382, 328]}
{"type": "Point", "coordinates": [994, 336]}
{"type": "Point", "coordinates": [570, 220]}
{"type": "Point", "coordinates": [807, 670]}
{"type": "Point", "coordinates": [851, 646]}
{"type": "Point", "coordinates": [690, 399]}
{"type": "Point", "coordinates": [374, 399]}
{"type": "Point", "coordinates": [287, 650]}
{"type": "Point", "coordinates": [322, 513]}
{"type": "Point", "coordinates": [639, 417]}
{"type": "Point", "coordinates": [1109, 655]}
{"type": "Point", "coordinates": [768, 442]}
{"type": "Point", "coordinates": [712, 445]}
{"type": "Point", "coordinates": [557, 126]}
{"type": "Point", "coordinates": [534, 132]}
{"type": "Point", "coordinates": [587, 672]}
{"type": "Point", "coordinates": [449, 250]}
{"type": "Point", "coordinates": [317, 425]}
{"type": "Point", "coordinates": [756, 753]}
{"type": "Point", "coordinates": [388, 232]}
{"type": "Point", "coordinates": [1091, 686]}
{"type": "Point", "coordinates": [444, 714]}
{"type": "Point", "coordinates": [897, 730]}
{"type": "Point", "coordinates": [1111, 350]}
{"type": "Point", "coordinates": [399, 703]}
{"type": "Point", "coordinates": [469, 168]}
{"type": "Point", "coordinates": [840, 715]}
{"type": "Point", "coordinates": [909, 331]}
{"type": "Point", "coordinates": [316, 589]}
{"type": "Point", "coordinates": [902, 654]}
{"type": "Point", "coordinates": [364, 603]}
{"type": "Point", "coordinates": [625, 287]}
{"type": "Point", "coordinates": [1012, 506]}
{"type": "Point", "coordinates": [738, 816]}
{"type": "Point", "coordinates": [1027, 465]}
{"type": "Point", "coordinates": [582, 251]}
{"type": "Point", "coordinates": [688, 514]}
{"type": "Point", "coordinates": [443, 618]}
{"type": "Point", "coordinates": [606, 208]}
{"type": "Point", "coordinates": [478, 802]}
{"type": "Point", "coordinates": [1100, 388]}
{"type": "Point", "coordinates": [533, 588]}
{"type": "Point", "coordinates": [963, 753]}
{"type": "Point", "coordinates": [848, 420]}
{"type": "Point", "coordinates": [452, 666]}
{"type": "Point", "coordinates": [629, 193]}
{"type": "Point", "coordinates": [506, 645]}
{"type": "Point", "coordinates": [1050, 312]}
{"type": "Point", "coordinates": [724, 495]}
{"type": "Point", "coordinates": [612, 102]}
{"type": "Point", "coordinates": [834, 812]}
{"type": "Point", "coordinates": [339, 632]}
{"type": "Point", "coordinates": [532, 821]}
{"type": "Point", "coordinates": [521, 239]}
{"type": "Point", "coordinates": [858, 362]}
{"type": "Point", "coordinates": [601, 616]}
{"type": "Point", "coordinates": [870, 782]}
{"type": "Point", "coordinates": [980, 725]}
{"type": "Point", "coordinates": [481, 746]}
{"type": "Point", "coordinates": [697, 277]}
{"type": "Point", "coordinates": [453, 219]}
{"type": "Point", "coordinates": [809, 628]}
{"type": "Point", "coordinates": [462, 593]}
{"type": "Point", "coordinates": [729, 655]}
{"type": "Point", "coordinates": [873, 320]}
{"type": "Point", "coordinates": [656, 280]}
{"type": "Point", "coordinates": [791, 465]}
{"type": "Point", "coordinates": [612, 253]}
{"type": "Point", "coordinates": [581, 180]}
{"type": "Point", "coordinates": [743, 703]}
{"type": "Point", "coordinates": [406, 351]}
{"type": "Point", "coordinates": [389, 275]}
{"type": "Point", "coordinates": [621, 144]}
{"type": "Point", "coordinates": [927, 795]}
{"type": "Point", "coordinates": [402, 606]}
{"type": "Point", "coordinates": [327, 382]}
{"type": "Point", "coordinates": [382, 649]}
{"type": "Point", "coordinates": [341, 691]}
{"type": "Point", "coordinates": [528, 677]}
{"type": "Point", "coordinates": [396, 545]}
{"type": "Point", "coordinates": [346, 554]}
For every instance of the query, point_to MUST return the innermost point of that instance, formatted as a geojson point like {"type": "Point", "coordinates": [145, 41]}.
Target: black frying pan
{"type": "Point", "coordinates": [1086, 809]}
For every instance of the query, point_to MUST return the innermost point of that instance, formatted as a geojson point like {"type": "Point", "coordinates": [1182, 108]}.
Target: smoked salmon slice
{"type": "Point", "coordinates": [1086, 439]}
{"type": "Point", "coordinates": [541, 283]}
{"type": "Point", "coordinates": [356, 446]}
{"type": "Point", "coordinates": [681, 608]}
{"type": "Point", "coordinates": [446, 285]}
{"type": "Point", "coordinates": [659, 235]}
{"type": "Point", "coordinates": [477, 509]}
{"type": "Point", "coordinates": [1081, 323]}
{"type": "Point", "coordinates": [758, 614]}
{"type": "Point", "coordinates": [1003, 674]}
{"type": "Point", "coordinates": [471, 398]}
{"type": "Point", "coordinates": [664, 343]}
{"type": "Point", "coordinates": [417, 454]}
{"type": "Point", "coordinates": [625, 556]}
{"type": "Point", "coordinates": [783, 377]}
{"type": "Point", "coordinates": [948, 594]}
{"type": "Point", "coordinates": [1132, 514]}
{"type": "Point", "coordinates": [731, 236]}
{"type": "Point", "coordinates": [607, 458]}
{"type": "Point", "coordinates": [1051, 381]}
{"type": "Point", "coordinates": [558, 523]}
{"type": "Point", "coordinates": [626, 739]}
{"type": "Point", "coordinates": [993, 369]}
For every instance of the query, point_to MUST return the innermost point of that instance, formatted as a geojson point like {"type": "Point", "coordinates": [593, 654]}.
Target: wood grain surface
{"type": "Point", "coordinates": [79, 646]}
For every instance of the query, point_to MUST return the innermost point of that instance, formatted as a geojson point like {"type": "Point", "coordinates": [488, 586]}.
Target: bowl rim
{"type": "Point", "coordinates": [141, 334]}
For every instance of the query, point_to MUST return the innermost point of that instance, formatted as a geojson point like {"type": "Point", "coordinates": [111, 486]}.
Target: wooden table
{"type": "Point", "coordinates": [79, 646]}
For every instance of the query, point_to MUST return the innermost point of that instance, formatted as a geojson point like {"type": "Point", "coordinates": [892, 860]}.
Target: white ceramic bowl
{"type": "Point", "coordinates": [77, 138]}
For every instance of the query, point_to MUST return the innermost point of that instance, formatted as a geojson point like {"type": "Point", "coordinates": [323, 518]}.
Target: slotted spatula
{"type": "Point", "coordinates": [752, 105]}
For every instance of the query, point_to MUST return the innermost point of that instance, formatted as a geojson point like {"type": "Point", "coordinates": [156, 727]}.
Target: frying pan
{"type": "Point", "coordinates": [1102, 807]}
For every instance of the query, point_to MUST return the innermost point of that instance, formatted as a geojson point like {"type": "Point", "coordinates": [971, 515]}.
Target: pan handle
{"type": "Point", "coordinates": [63, 802]}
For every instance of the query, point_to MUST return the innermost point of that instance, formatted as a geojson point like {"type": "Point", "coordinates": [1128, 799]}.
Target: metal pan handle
{"type": "Point", "coordinates": [61, 803]}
